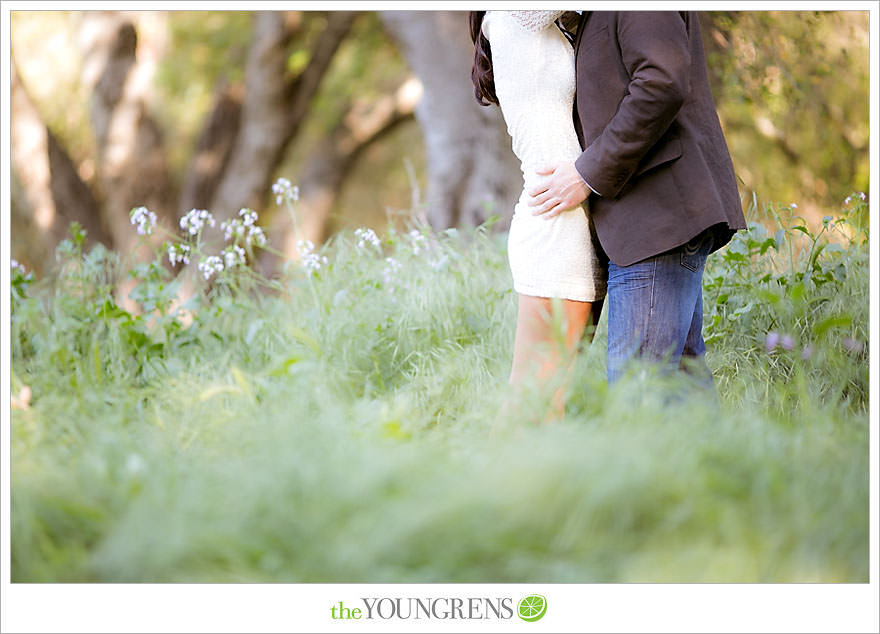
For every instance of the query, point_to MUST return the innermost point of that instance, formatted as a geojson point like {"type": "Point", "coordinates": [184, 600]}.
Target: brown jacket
{"type": "Point", "coordinates": [653, 146]}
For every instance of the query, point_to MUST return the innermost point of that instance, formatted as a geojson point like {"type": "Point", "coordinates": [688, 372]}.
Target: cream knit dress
{"type": "Point", "coordinates": [533, 67]}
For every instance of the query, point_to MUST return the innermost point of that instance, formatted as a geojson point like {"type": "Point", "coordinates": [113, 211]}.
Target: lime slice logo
{"type": "Point", "coordinates": [532, 608]}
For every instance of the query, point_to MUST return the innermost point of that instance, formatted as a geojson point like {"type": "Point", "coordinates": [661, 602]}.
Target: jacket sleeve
{"type": "Point", "coordinates": [655, 52]}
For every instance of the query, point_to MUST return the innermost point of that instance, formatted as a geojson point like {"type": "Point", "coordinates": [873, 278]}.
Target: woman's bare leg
{"type": "Point", "coordinates": [536, 352]}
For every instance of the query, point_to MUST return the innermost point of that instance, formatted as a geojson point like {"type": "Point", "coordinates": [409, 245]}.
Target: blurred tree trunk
{"type": "Point", "coordinates": [51, 194]}
{"type": "Point", "coordinates": [330, 163]}
{"type": "Point", "coordinates": [472, 171]}
{"type": "Point", "coordinates": [241, 144]}
{"type": "Point", "coordinates": [274, 106]}
{"type": "Point", "coordinates": [131, 160]}
{"type": "Point", "coordinates": [213, 149]}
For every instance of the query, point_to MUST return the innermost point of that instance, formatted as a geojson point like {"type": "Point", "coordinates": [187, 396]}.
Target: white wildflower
{"type": "Point", "coordinates": [244, 227]}
{"type": "Point", "coordinates": [194, 221]}
{"type": "Point", "coordinates": [392, 267]}
{"type": "Point", "coordinates": [417, 241]}
{"type": "Point", "coordinates": [366, 236]}
{"type": "Point", "coordinates": [144, 219]}
{"type": "Point", "coordinates": [233, 256]}
{"type": "Point", "coordinates": [232, 228]}
{"type": "Point", "coordinates": [178, 253]}
{"type": "Point", "coordinates": [211, 265]}
{"type": "Point", "coordinates": [283, 190]}
{"type": "Point", "coordinates": [256, 236]}
{"type": "Point", "coordinates": [248, 217]}
{"type": "Point", "coordinates": [311, 261]}
{"type": "Point", "coordinates": [862, 196]}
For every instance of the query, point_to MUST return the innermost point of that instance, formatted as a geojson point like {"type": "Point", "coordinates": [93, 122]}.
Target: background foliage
{"type": "Point", "coordinates": [792, 92]}
{"type": "Point", "coordinates": [791, 89]}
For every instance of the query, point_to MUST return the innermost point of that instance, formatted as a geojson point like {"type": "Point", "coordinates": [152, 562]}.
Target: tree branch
{"type": "Point", "coordinates": [330, 163]}
{"type": "Point", "coordinates": [273, 110]}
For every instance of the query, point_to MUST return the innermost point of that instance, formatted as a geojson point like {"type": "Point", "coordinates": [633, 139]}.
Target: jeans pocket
{"type": "Point", "coordinates": [695, 252]}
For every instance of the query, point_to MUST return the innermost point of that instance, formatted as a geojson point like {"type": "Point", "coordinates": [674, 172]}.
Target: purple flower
{"type": "Point", "coordinates": [771, 341]}
{"type": "Point", "coordinates": [853, 345]}
{"type": "Point", "coordinates": [807, 352]}
{"type": "Point", "coordinates": [787, 342]}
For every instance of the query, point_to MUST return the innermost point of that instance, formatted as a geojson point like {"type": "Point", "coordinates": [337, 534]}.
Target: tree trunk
{"type": "Point", "coordinates": [330, 163]}
{"type": "Point", "coordinates": [50, 193]}
{"type": "Point", "coordinates": [213, 150]}
{"type": "Point", "coordinates": [131, 163]}
{"type": "Point", "coordinates": [472, 171]}
{"type": "Point", "coordinates": [273, 108]}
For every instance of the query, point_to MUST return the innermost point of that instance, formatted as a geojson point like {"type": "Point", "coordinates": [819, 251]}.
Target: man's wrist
{"type": "Point", "coordinates": [584, 180]}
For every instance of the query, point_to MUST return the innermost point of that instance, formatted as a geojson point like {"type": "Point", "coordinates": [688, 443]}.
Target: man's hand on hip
{"type": "Point", "coordinates": [562, 189]}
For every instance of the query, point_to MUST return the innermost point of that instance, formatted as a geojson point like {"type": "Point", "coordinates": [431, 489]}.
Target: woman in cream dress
{"type": "Point", "coordinates": [524, 63]}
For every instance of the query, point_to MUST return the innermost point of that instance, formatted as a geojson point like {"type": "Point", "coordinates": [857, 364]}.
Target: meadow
{"type": "Point", "coordinates": [350, 420]}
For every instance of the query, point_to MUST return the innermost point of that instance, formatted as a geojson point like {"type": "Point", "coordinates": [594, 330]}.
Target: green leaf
{"type": "Point", "coordinates": [767, 295]}
{"type": "Point", "coordinates": [837, 321]}
{"type": "Point", "coordinates": [780, 235]}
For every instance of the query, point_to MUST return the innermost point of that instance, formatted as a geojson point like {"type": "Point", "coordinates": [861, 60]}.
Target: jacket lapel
{"type": "Point", "coordinates": [580, 32]}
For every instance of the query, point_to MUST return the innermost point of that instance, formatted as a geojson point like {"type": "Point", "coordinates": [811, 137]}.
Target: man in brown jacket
{"type": "Point", "coordinates": [658, 174]}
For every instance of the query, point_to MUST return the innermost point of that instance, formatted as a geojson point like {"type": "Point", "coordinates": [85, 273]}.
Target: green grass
{"type": "Point", "coordinates": [351, 427]}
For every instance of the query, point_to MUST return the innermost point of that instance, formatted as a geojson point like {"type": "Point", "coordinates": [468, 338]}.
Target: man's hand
{"type": "Point", "coordinates": [561, 190]}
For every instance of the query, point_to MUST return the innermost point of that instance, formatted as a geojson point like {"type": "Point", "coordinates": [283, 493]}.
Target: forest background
{"type": "Point", "coordinates": [370, 114]}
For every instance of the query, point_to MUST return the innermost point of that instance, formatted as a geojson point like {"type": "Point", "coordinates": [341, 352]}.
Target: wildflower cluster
{"type": "Point", "coordinates": [243, 232]}
{"type": "Point", "coordinates": [178, 253]}
{"type": "Point", "coordinates": [775, 340]}
{"type": "Point", "coordinates": [194, 221]}
{"type": "Point", "coordinates": [417, 241]}
{"type": "Point", "coordinates": [211, 265]}
{"type": "Point", "coordinates": [233, 255]}
{"type": "Point", "coordinates": [20, 278]}
{"type": "Point", "coordinates": [853, 345]}
{"type": "Point", "coordinates": [244, 228]}
{"type": "Point", "coordinates": [144, 219]}
{"type": "Point", "coordinates": [311, 261]}
{"type": "Point", "coordinates": [283, 190]}
{"type": "Point", "coordinates": [389, 273]}
{"type": "Point", "coordinates": [848, 199]}
{"type": "Point", "coordinates": [365, 237]}
{"type": "Point", "coordinates": [17, 267]}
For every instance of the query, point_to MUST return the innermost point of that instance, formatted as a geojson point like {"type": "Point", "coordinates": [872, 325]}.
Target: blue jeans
{"type": "Point", "coordinates": [655, 311]}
